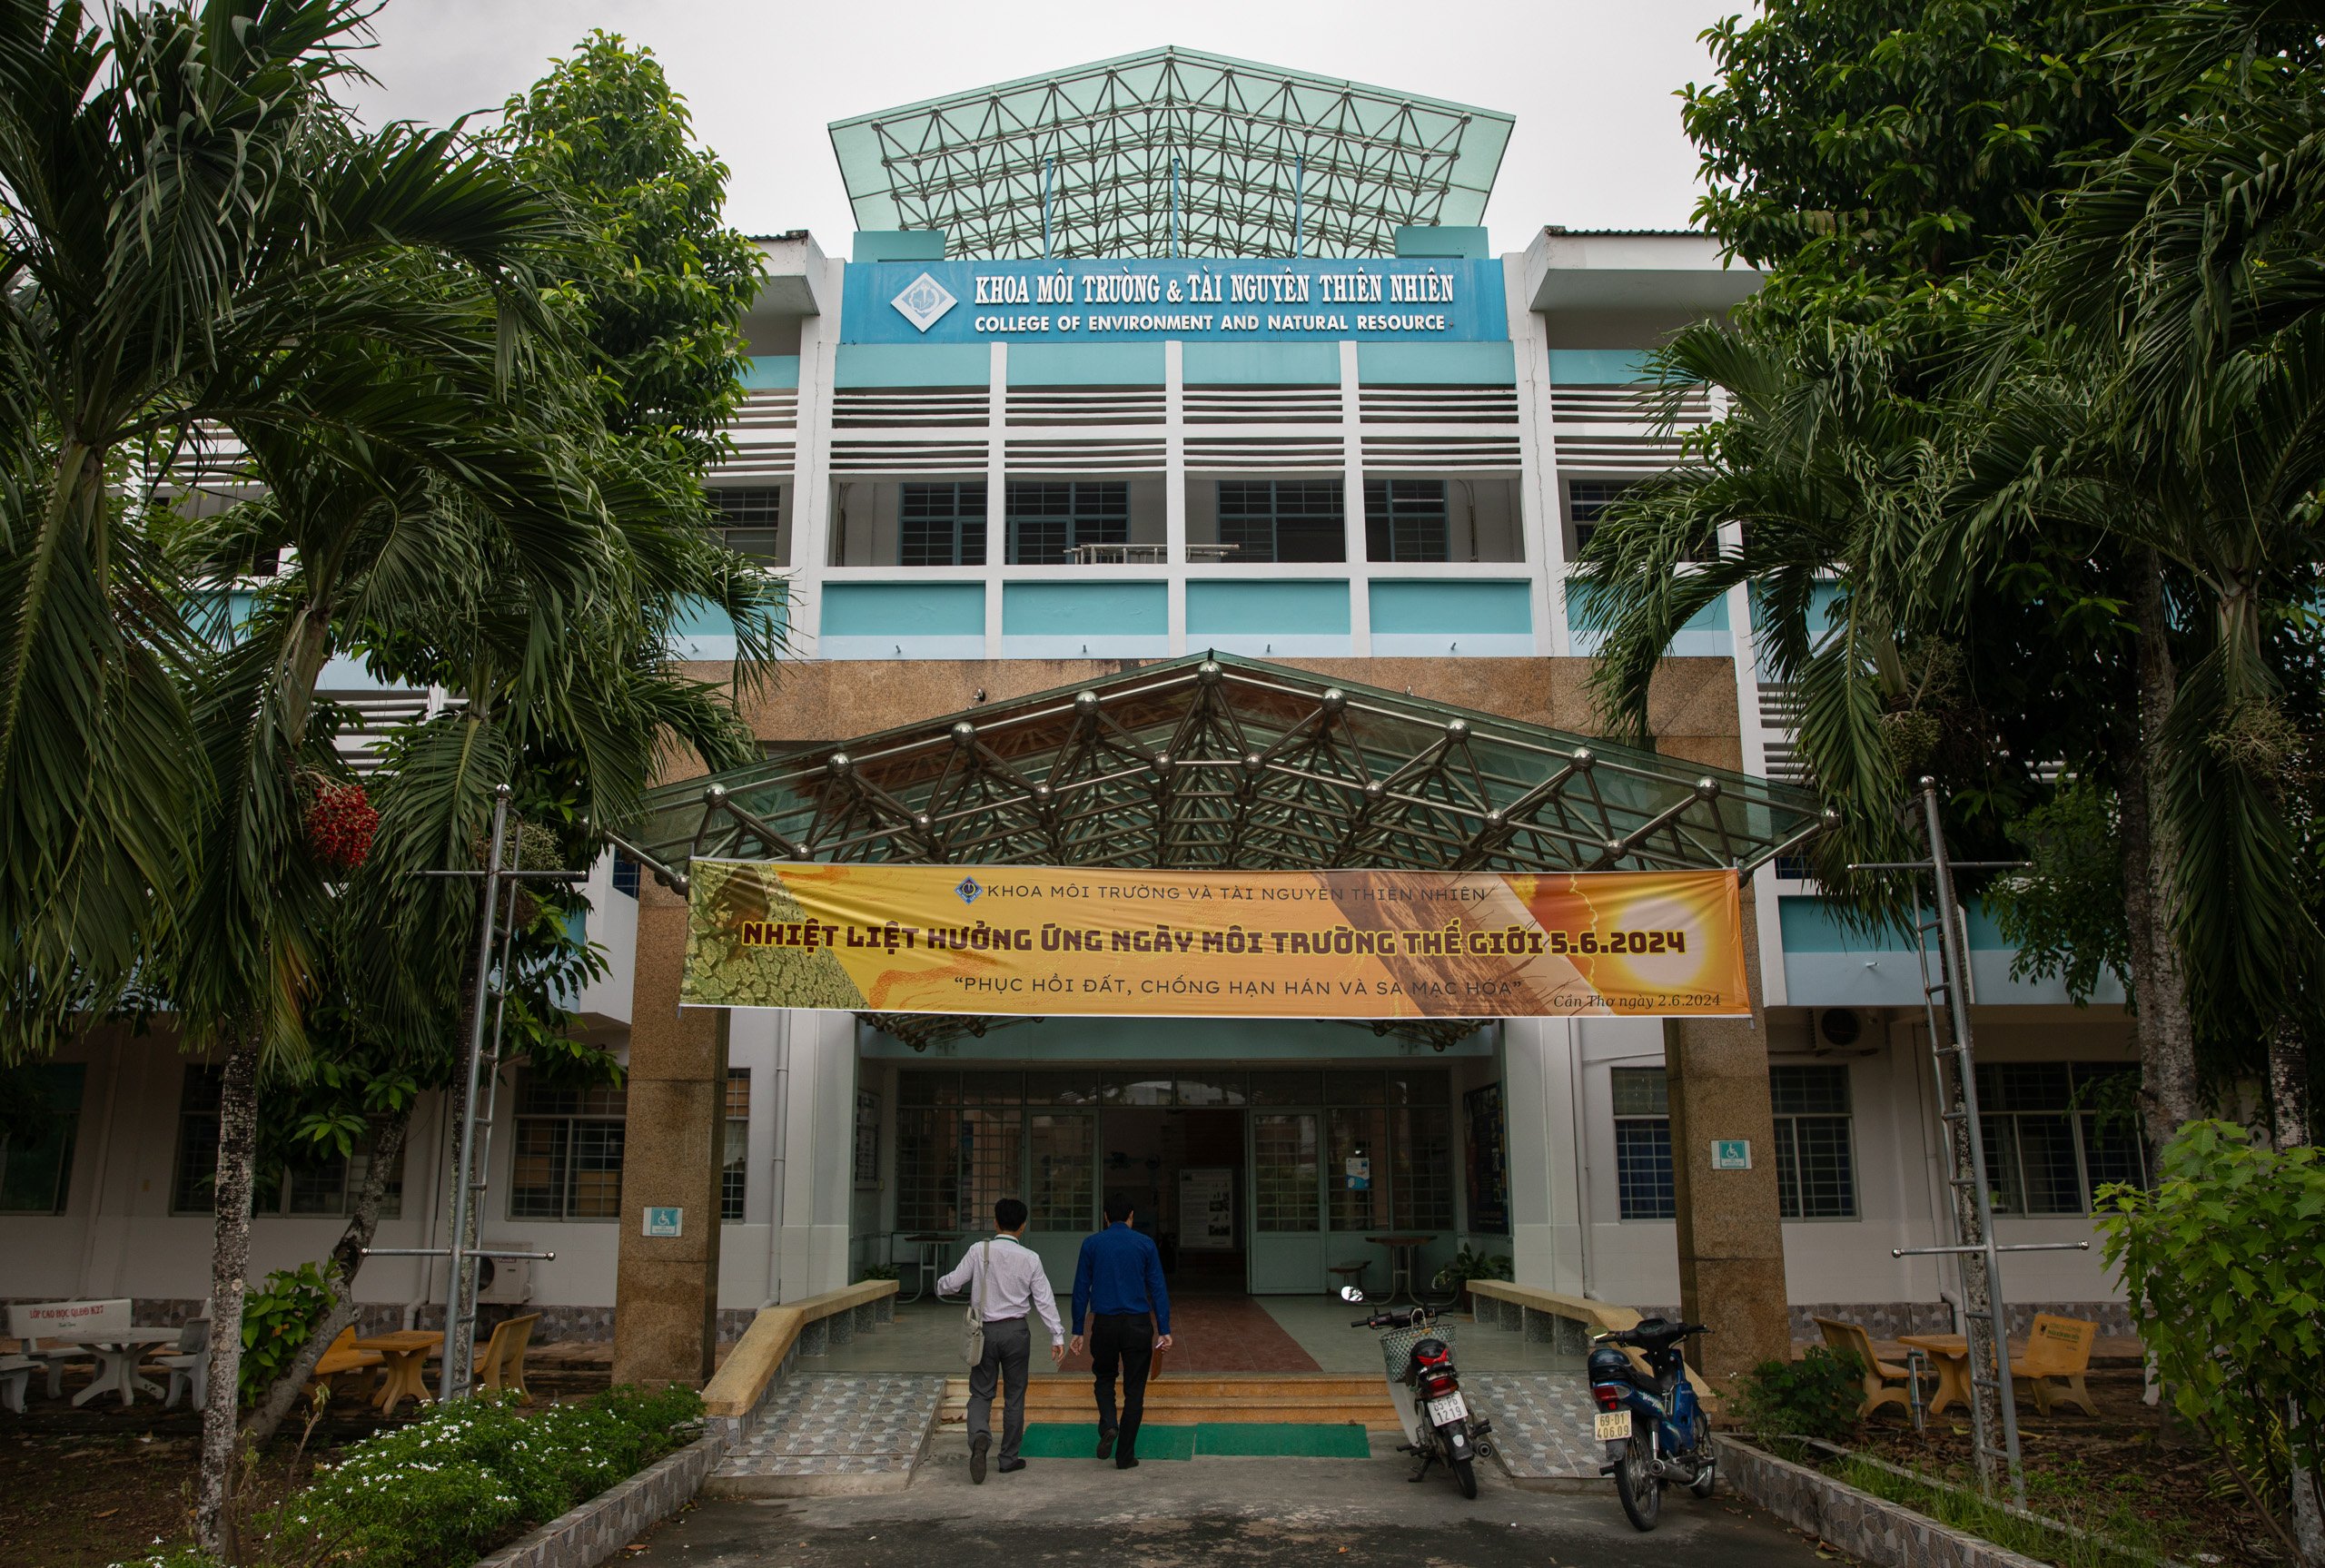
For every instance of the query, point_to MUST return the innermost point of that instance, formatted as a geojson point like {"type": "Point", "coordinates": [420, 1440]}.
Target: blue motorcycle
{"type": "Point", "coordinates": [1654, 1430]}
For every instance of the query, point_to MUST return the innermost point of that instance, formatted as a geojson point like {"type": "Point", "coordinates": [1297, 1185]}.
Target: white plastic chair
{"type": "Point", "coordinates": [15, 1379]}
{"type": "Point", "coordinates": [190, 1366]}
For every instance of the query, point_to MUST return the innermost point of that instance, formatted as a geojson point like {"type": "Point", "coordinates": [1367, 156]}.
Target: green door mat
{"type": "Point", "coordinates": [1214, 1439]}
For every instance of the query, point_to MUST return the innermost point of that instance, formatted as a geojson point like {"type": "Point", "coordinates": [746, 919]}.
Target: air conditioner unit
{"type": "Point", "coordinates": [505, 1281]}
{"type": "Point", "coordinates": [1837, 1027]}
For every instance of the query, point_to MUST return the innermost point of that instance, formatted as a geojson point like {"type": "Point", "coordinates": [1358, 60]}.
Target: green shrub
{"type": "Point", "coordinates": [1817, 1396]}
{"type": "Point", "coordinates": [278, 1316]}
{"type": "Point", "coordinates": [1470, 1264]}
{"type": "Point", "coordinates": [2224, 1261]}
{"type": "Point", "coordinates": [451, 1486]}
{"type": "Point", "coordinates": [876, 1271]}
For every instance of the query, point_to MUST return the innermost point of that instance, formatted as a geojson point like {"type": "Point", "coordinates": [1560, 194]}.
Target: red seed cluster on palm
{"type": "Point", "coordinates": [341, 821]}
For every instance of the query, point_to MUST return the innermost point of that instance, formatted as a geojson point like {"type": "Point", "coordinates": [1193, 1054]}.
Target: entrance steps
{"type": "Point", "coordinates": [1312, 1399]}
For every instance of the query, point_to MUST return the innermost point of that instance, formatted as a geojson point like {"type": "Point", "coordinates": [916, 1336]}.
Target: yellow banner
{"type": "Point", "coordinates": [1051, 940]}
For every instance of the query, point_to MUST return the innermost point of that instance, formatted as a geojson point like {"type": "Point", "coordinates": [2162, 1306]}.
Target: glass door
{"type": "Point", "coordinates": [1287, 1202]}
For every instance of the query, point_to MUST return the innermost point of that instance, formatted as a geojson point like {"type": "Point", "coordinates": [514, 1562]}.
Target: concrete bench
{"type": "Point", "coordinates": [779, 1334]}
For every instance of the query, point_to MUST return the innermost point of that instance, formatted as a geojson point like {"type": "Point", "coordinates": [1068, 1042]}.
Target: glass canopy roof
{"type": "Point", "coordinates": [1209, 762]}
{"type": "Point", "coordinates": [1258, 150]}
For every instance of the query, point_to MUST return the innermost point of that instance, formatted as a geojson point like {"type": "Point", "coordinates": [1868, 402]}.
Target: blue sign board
{"type": "Point", "coordinates": [1407, 299]}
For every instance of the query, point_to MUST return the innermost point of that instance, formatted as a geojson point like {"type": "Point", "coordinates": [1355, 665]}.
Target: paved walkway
{"type": "Point", "coordinates": [861, 1431]}
{"type": "Point", "coordinates": [1240, 1512]}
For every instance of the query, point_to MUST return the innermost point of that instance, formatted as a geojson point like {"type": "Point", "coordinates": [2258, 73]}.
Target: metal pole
{"type": "Point", "coordinates": [453, 1384]}
{"type": "Point", "coordinates": [1984, 1262]}
{"type": "Point", "coordinates": [1299, 202]}
{"type": "Point", "coordinates": [1049, 166]}
{"type": "Point", "coordinates": [1174, 205]}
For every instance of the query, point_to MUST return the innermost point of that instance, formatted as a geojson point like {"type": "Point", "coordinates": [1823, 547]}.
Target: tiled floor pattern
{"type": "Point", "coordinates": [855, 1425]}
{"type": "Point", "coordinates": [1541, 1422]}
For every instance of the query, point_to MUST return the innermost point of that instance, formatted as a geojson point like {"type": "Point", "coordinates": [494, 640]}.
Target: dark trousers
{"type": "Point", "coordinates": [1008, 1350]}
{"type": "Point", "coordinates": [1127, 1343]}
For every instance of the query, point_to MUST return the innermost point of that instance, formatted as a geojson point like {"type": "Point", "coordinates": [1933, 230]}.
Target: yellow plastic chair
{"type": "Point", "coordinates": [501, 1362]}
{"type": "Point", "coordinates": [1880, 1377]}
{"type": "Point", "coordinates": [2058, 1353]}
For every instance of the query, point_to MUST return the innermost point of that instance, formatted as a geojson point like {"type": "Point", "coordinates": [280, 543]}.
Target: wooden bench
{"type": "Point", "coordinates": [1880, 1377]}
{"type": "Point", "coordinates": [2058, 1353]}
{"type": "Point", "coordinates": [778, 1332]}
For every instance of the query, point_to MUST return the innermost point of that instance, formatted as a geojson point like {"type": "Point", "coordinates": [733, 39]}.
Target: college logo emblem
{"type": "Point", "coordinates": [923, 301]}
{"type": "Point", "coordinates": [968, 890]}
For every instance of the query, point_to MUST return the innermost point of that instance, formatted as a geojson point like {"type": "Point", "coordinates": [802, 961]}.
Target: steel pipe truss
{"type": "Point", "coordinates": [1259, 149]}
{"type": "Point", "coordinates": [1211, 763]}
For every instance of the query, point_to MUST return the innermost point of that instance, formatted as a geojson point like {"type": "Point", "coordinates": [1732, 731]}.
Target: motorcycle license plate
{"type": "Point", "coordinates": [1611, 1425]}
{"type": "Point", "coordinates": [1450, 1408]}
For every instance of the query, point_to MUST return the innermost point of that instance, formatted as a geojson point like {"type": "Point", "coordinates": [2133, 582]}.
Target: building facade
{"type": "Point", "coordinates": [1022, 439]}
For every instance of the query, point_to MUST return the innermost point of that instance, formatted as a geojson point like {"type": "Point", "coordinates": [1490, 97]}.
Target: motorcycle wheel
{"type": "Point", "coordinates": [1465, 1476]}
{"type": "Point", "coordinates": [1637, 1485]}
{"type": "Point", "coordinates": [1706, 1479]}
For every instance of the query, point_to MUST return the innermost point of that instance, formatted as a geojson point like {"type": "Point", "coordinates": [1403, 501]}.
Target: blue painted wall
{"type": "Point", "coordinates": [1431, 605]}
{"type": "Point", "coordinates": [1085, 364]}
{"type": "Point", "coordinates": [1261, 365]}
{"type": "Point", "coordinates": [1437, 364]}
{"type": "Point", "coordinates": [903, 610]}
{"type": "Point", "coordinates": [1597, 367]}
{"type": "Point", "coordinates": [1303, 607]}
{"type": "Point", "coordinates": [769, 372]}
{"type": "Point", "coordinates": [913, 365]}
{"type": "Point", "coordinates": [1085, 609]}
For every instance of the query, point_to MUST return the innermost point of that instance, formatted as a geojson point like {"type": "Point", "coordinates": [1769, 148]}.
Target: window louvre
{"type": "Point", "coordinates": [1643, 1189]}
{"type": "Point", "coordinates": [1283, 520]}
{"type": "Point", "coordinates": [1047, 521]}
{"type": "Point", "coordinates": [568, 1153]}
{"type": "Point", "coordinates": [941, 525]}
{"type": "Point", "coordinates": [1405, 520]}
{"type": "Point", "coordinates": [734, 1172]}
{"type": "Point", "coordinates": [1815, 1159]}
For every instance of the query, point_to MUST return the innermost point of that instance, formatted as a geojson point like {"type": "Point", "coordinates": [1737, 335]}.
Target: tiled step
{"type": "Point", "coordinates": [1187, 1401]}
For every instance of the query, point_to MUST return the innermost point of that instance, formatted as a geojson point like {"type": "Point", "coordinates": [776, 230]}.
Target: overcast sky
{"type": "Point", "coordinates": [1598, 143]}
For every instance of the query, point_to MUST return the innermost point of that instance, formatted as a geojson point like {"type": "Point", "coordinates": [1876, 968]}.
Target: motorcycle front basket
{"type": "Point", "coordinates": [1397, 1346]}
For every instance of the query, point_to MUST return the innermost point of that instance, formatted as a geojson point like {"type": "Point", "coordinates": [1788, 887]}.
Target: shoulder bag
{"type": "Point", "coordinates": [973, 1329]}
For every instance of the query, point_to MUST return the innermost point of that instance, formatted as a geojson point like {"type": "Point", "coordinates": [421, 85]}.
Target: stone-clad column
{"type": "Point", "coordinates": [666, 1288]}
{"type": "Point", "coordinates": [1730, 1238]}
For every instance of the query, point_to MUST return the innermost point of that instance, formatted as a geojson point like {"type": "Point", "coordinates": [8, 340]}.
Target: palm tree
{"type": "Point", "coordinates": [189, 235]}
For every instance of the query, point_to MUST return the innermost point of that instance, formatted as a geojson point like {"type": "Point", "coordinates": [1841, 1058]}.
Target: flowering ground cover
{"type": "Point", "coordinates": [440, 1490]}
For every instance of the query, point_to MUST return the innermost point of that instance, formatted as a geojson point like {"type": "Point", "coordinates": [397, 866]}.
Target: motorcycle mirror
{"type": "Point", "coordinates": [1351, 1293]}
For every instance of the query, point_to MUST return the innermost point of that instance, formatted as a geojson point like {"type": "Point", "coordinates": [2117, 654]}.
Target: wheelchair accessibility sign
{"type": "Point", "coordinates": [1731, 1154]}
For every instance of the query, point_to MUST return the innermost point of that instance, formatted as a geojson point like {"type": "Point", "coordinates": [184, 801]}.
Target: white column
{"type": "Point", "coordinates": [1359, 570]}
{"type": "Point", "coordinates": [818, 1156]}
{"type": "Point", "coordinates": [1537, 490]}
{"type": "Point", "coordinates": [1175, 487]}
{"type": "Point", "coordinates": [996, 512]}
{"type": "Point", "coordinates": [1538, 1101]}
{"type": "Point", "coordinates": [811, 492]}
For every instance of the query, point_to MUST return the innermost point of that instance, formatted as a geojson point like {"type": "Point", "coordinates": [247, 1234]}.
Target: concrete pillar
{"type": "Point", "coordinates": [666, 1288]}
{"type": "Point", "coordinates": [818, 1157]}
{"type": "Point", "coordinates": [1730, 1236]}
{"type": "Point", "coordinates": [1544, 1135]}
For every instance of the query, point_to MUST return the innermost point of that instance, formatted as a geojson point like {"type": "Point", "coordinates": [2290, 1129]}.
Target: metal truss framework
{"type": "Point", "coordinates": [1251, 143]}
{"type": "Point", "coordinates": [1215, 763]}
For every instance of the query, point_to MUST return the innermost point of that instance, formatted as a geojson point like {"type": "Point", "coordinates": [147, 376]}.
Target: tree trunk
{"type": "Point", "coordinates": [2307, 1513]}
{"type": "Point", "coordinates": [230, 1256]}
{"type": "Point", "coordinates": [2288, 1084]}
{"type": "Point", "coordinates": [2166, 1030]}
{"type": "Point", "coordinates": [346, 1261]}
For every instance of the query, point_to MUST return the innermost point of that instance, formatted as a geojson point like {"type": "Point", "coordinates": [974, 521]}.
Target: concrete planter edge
{"type": "Point", "coordinates": [593, 1532]}
{"type": "Point", "coordinates": [1884, 1533]}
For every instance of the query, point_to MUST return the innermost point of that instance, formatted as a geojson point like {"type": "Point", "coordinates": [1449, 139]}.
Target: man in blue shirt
{"type": "Point", "coordinates": [1118, 1295]}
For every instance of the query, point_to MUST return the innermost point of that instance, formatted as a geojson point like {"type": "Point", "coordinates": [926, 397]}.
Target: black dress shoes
{"type": "Point", "coordinates": [1105, 1442]}
{"type": "Point", "coordinates": [977, 1446]}
{"type": "Point", "coordinates": [1010, 1466]}
{"type": "Point", "coordinates": [1126, 1462]}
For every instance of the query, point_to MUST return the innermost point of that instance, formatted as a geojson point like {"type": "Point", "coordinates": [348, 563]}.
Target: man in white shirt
{"type": "Point", "coordinates": [1004, 1278]}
